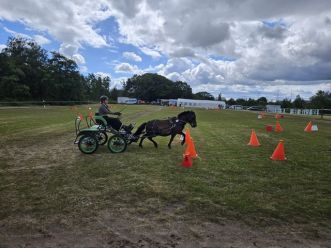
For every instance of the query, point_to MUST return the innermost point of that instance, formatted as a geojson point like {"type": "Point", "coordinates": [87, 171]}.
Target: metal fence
{"type": "Point", "coordinates": [45, 103]}
{"type": "Point", "coordinates": [295, 111]}
{"type": "Point", "coordinates": [300, 111]}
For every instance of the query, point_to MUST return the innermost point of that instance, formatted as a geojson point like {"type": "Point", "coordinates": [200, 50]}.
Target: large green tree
{"type": "Point", "coordinates": [115, 93]}
{"type": "Point", "coordinates": [321, 100]}
{"type": "Point", "coordinates": [63, 81]}
{"type": "Point", "coordinates": [151, 87]}
{"type": "Point", "coordinates": [182, 90]}
{"type": "Point", "coordinates": [28, 72]}
{"type": "Point", "coordinates": [286, 103]}
{"type": "Point", "coordinates": [97, 86]}
{"type": "Point", "coordinates": [9, 80]}
{"type": "Point", "coordinates": [23, 64]}
{"type": "Point", "coordinates": [299, 102]}
{"type": "Point", "coordinates": [231, 101]}
{"type": "Point", "coordinates": [203, 95]}
{"type": "Point", "coordinates": [262, 101]}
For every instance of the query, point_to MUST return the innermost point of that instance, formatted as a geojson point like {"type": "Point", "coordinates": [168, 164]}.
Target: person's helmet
{"type": "Point", "coordinates": [103, 98]}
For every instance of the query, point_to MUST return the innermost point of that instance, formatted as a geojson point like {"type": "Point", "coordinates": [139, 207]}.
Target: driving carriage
{"type": "Point", "coordinates": [96, 133]}
{"type": "Point", "coordinates": [97, 130]}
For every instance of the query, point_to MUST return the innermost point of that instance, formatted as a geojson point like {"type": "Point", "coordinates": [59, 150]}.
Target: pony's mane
{"type": "Point", "coordinates": [185, 113]}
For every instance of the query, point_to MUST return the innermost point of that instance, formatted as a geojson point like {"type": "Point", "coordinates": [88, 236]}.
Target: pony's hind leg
{"type": "Point", "coordinates": [155, 144]}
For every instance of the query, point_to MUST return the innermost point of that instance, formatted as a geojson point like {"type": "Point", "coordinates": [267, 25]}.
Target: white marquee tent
{"type": "Point", "coordinates": [208, 104]}
{"type": "Point", "coordinates": [126, 100]}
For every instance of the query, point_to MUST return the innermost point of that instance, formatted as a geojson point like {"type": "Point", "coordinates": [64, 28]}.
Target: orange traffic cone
{"type": "Point", "coordinates": [187, 135]}
{"type": "Point", "coordinates": [253, 140]}
{"type": "Point", "coordinates": [187, 161]}
{"type": "Point", "coordinates": [279, 153]}
{"type": "Point", "coordinates": [308, 127]}
{"type": "Point", "coordinates": [278, 127]}
{"type": "Point", "coordinates": [190, 149]}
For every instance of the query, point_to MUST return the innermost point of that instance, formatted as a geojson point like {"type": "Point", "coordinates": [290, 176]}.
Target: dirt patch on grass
{"type": "Point", "coordinates": [38, 154]}
{"type": "Point", "coordinates": [122, 229]}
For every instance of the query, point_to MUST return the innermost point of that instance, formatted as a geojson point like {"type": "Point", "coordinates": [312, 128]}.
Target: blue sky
{"type": "Point", "coordinates": [104, 60]}
{"type": "Point", "coordinates": [8, 28]}
{"type": "Point", "coordinates": [249, 48]}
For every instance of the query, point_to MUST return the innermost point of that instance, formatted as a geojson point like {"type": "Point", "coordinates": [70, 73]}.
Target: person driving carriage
{"type": "Point", "coordinates": [115, 123]}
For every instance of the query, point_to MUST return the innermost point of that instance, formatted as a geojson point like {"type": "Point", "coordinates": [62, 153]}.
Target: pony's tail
{"type": "Point", "coordinates": [140, 129]}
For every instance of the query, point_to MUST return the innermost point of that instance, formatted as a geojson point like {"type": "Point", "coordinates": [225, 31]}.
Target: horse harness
{"type": "Point", "coordinates": [173, 121]}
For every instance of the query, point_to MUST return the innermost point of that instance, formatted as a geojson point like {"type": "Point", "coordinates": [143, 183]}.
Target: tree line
{"type": "Point", "coordinates": [321, 100]}
{"type": "Point", "coordinates": [30, 73]}
{"type": "Point", "coordinates": [151, 86]}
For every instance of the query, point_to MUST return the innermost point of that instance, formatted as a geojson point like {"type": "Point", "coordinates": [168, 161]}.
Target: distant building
{"type": "Point", "coordinates": [274, 108]}
{"type": "Point", "coordinates": [168, 102]}
{"type": "Point", "coordinates": [172, 102]}
{"type": "Point", "coordinates": [208, 104]}
{"type": "Point", "coordinates": [127, 100]}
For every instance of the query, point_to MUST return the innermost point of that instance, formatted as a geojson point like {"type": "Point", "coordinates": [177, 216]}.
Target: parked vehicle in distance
{"type": "Point", "coordinates": [256, 108]}
{"type": "Point", "coordinates": [236, 107]}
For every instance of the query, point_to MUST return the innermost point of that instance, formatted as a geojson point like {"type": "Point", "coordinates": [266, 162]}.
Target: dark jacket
{"type": "Point", "coordinates": [104, 109]}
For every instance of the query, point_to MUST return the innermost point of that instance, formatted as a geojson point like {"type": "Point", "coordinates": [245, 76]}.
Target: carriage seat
{"type": "Point", "coordinates": [100, 120]}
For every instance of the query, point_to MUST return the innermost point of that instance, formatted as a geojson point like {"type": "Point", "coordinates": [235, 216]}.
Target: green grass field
{"type": "Point", "coordinates": [42, 174]}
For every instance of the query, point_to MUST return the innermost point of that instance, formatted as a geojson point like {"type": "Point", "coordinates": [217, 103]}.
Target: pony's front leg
{"type": "Point", "coordinates": [155, 144]}
{"type": "Point", "coordinates": [183, 141]}
{"type": "Point", "coordinates": [141, 141]}
{"type": "Point", "coordinates": [171, 139]}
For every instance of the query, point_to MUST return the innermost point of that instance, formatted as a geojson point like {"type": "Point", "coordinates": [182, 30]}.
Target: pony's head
{"type": "Point", "coordinates": [188, 117]}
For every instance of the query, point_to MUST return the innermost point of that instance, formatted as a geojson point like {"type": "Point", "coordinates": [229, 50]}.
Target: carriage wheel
{"type": "Point", "coordinates": [117, 144]}
{"type": "Point", "coordinates": [88, 144]}
{"type": "Point", "coordinates": [102, 138]}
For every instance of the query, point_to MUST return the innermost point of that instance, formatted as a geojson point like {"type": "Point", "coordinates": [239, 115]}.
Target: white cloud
{"type": "Point", "coordinates": [175, 76]}
{"type": "Point", "coordinates": [114, 82]}
{"type": "Point", "coordinates": [70, 22]}
{"type": "Point", "coordinates": [71, 51]}
{"type": "Point", "coordinates": [68, 49]}
{"type": "Point", "coordinates": [291, 45]}
{"type": "Point", "coordinates": [117, 82]}
{"type": "Point", "coordinates": [132, 56]}
{"type": "Point", "coordinates": [176, 65]}
{"type": "Point", "coordinates": [41, 40]}
{"type": "Point", "coordinates": [183, 52]}
{"type": "Point", "coordinates": [2, 46]}
{"type": "Point", "coordinates": [102, 74]}
{"type": "Point", "coordinates": [78, 58]}
{"type": "Point", "coordinates": [16, 34]}
{"type": "Point", "coordinates": [150, 52]}
{"type": "Point", "coordinates": [127, 68]}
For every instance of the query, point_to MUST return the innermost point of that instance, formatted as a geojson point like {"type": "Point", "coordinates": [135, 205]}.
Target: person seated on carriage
{"type": "Point", "coordinates": [113, 122]}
